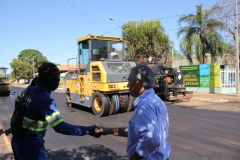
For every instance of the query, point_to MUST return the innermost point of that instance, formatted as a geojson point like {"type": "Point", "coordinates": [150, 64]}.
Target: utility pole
{"type": "Point", "coordinates": [236, 48]}
{"type": "Point", "coordinates": [172, 59]}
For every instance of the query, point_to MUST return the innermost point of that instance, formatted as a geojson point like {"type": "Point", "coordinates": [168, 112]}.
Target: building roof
{"type": "Point", "coordinates": [101, 37]}
{"type": "Point", "coordinates": [66, 67]}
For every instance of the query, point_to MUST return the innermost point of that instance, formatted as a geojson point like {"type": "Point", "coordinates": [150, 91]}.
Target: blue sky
{"type": "Point", "coordinates": [52, 26]}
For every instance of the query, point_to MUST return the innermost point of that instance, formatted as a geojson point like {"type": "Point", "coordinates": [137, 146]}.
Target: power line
{"type": "Point", "coordinates": [62, 50]}
{"type": "Point", "coordinates": [111, 30]}
{"type": "Point", "coordinates": [118, 27]}
{"type": "Point", "coordinates": [174, 29]}
{"type": "Point", "coordinates": [188, 26]}
{"type": "Point", "coordinates": [84, 15]}
{"type": "Point", "coordinates": [63, 61]}
{"type": "Point", "coordinates": [190, 13]}
{"type": "Point", "coordinates": [179, 4]}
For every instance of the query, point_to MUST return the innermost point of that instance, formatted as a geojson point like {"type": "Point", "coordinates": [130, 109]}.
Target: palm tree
{"type": "Point", "coordinates": [200, 36]}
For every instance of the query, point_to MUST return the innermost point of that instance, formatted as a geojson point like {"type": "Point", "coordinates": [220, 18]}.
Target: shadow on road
{"type": "Point", "coordinates": [94, 152]}
{"type": "Point", "coordinates": [6, 156]}
{"type": "Point", "coordinates": [82, 108]}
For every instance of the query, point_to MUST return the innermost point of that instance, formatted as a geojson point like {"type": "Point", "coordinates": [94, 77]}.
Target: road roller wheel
{"type": "Point", "coordinates": [124, 102]}
{"type": "Point", "coordinates": [68, 99]}
{"type": "Point", "coordinates": [114, 104]}
{"type": "Point", "coordinates": [100, 104]}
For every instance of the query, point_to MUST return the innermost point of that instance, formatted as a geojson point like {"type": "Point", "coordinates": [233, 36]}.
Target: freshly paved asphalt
{"type": "Point", "coordinates": [5, 145]}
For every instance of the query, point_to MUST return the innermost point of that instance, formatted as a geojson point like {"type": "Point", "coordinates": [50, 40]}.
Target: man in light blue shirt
{"type": "Point", "coordinates": [113, 54]}
{"type": "Point", "coordinates": [147, 130]}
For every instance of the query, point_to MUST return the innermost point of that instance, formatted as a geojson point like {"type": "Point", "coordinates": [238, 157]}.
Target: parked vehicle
{"type": "Point", "coordinates": [4, 84]}
{"type": "Point", "coordinates": [169, 83]}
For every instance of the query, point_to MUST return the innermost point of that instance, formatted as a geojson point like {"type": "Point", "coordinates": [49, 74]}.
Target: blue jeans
{"type": "Point", "coordinates": [23, 150]}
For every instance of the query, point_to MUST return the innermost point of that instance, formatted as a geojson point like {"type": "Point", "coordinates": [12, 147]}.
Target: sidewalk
{"type": "Point", "coordinates": [5, 146]}
{"type": "Point", "coordinates": [216, 97]}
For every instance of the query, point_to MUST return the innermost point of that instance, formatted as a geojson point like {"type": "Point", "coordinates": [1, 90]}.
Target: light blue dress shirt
{"type": "Point", "coordinates": [112, 54]}
{"type": "Point", "coordinates": [148, 128]}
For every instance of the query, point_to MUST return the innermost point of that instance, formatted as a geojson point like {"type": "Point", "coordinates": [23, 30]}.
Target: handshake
{"type": "Point", "coordinates": [98, 131]}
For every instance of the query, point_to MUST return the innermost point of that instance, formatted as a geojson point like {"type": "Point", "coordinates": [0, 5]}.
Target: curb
{"type": "Point", "coordinates": [234, 101]}
{"type": "Point", "coordinates": [210, 99]}
{"type": "Point", "coordinates": [217, 100]}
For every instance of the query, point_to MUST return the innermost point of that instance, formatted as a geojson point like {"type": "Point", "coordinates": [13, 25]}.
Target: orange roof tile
{"type": "Point", "coordinates": [66, 67]}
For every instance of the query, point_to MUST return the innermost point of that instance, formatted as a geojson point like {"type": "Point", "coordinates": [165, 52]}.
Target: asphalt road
{"type": "Point", "coordinates": [198, 131]}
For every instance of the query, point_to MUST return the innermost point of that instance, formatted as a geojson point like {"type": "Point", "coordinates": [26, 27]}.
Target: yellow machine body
{"type": "Point", "coordinates": [100, 82]}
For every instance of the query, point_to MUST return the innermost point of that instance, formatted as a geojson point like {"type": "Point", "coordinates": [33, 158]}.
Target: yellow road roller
{"type": "Point", "coordinates": [100, 81]}
{"type": "Point", "coordinates": [4, 83]}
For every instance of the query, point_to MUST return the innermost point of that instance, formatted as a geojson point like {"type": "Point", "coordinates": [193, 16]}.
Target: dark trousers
{"type": "Point", "coordinates": [23, 150]}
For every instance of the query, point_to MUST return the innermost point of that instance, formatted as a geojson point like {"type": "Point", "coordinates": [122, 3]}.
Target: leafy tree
{"type": "Point", "coordinates": [2, 75]}
{"type": "Point", "coordinates": [229, 49]}
{"type": "Point", "coordinates": [146, 38]}
{"type": "Point", "coordinates": [177, 55]}
{"type": "Point", "coordinates": [21, 70]}
{"type": "Point", "coordinates": [32, 57]}
{"type": "Point", "coordinates": [201, 35]}
{"type": "Point", "coordinates": [224, 11]}
{"type": "Point", "coordinates": [10, 76]}
{"type": "Point", "coordinates": [229, 57]}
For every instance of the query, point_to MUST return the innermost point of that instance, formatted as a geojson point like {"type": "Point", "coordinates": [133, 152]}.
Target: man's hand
{"type": "Point", "coordinates": [105, 130]}
{"type": "Point", "coordinates": [95, 131]}
{"type": "Point", "coordinates": [135, 156]}
{"type": "Point", "coordinates": [114, 131]}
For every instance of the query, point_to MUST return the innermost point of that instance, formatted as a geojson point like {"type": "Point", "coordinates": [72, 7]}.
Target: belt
{"type": "Point", "coordinates": [131, 156]}
{"type": "Point", "coordinates": [134, 157]}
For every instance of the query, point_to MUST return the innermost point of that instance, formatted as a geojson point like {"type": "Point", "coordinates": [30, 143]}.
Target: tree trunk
{"type": "Point", "coordinates": [204, 48]}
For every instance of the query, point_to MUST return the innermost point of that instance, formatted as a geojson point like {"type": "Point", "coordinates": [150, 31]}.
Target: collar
{"type": "Point", "coordinates": [43, 86]}
{"type": "Point", "coordinates": [142, 96]}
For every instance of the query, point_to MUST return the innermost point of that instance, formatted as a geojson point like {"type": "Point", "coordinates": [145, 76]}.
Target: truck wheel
{"type": "Point", "coordinates": [100, 104]}
{"type": "Point", "coordinates": [4, 90]}
{"type": "Point", "coordinates": [68, 99]}
{"type": "Point", "coordinates": [69, 104]}
{"type": "Point", "coordinates": [114, 104]}
{"type": "Point", "coordinates": [124, 102]}
{"type": "Point", "coordinates": [166, 91]}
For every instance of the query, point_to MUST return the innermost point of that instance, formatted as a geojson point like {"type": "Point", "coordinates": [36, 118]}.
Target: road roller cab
{"type": "Point", "coordinates": [100, 81]}
{"type": "Point", "coordinates": [4, 83]}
